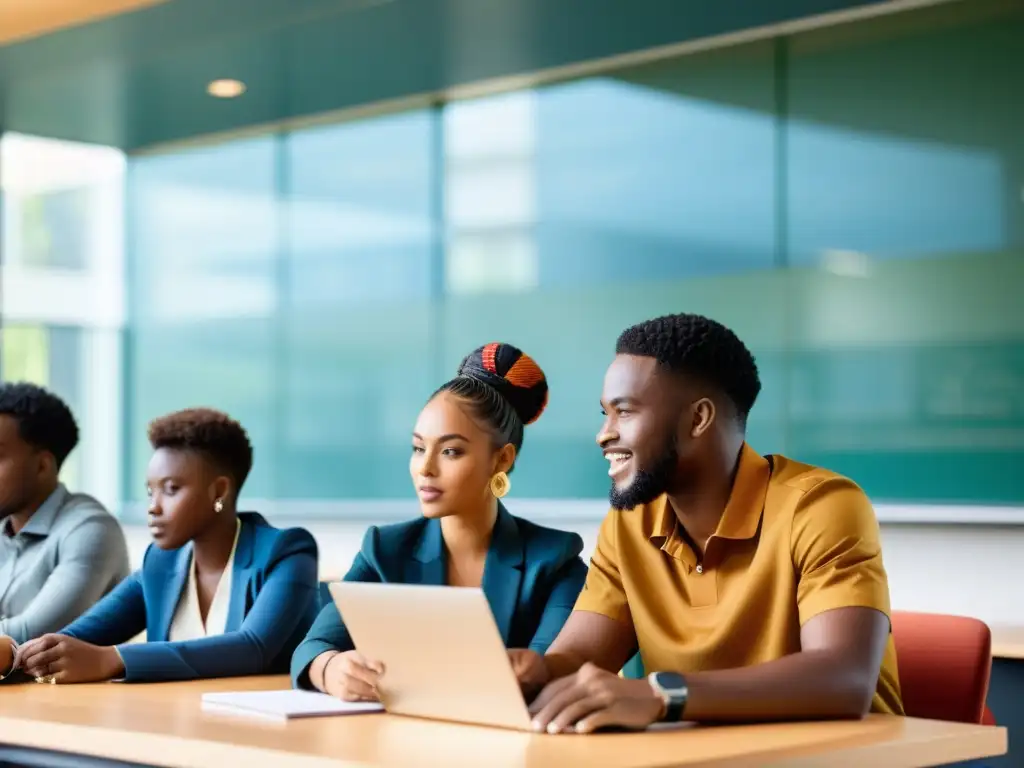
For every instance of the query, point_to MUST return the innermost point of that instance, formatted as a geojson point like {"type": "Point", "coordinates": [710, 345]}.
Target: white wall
{"type": "Point", "coordinates": [968, 570]}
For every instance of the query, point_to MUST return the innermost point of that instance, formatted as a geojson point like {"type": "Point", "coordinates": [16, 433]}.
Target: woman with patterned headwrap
{"type": "Point", "coordinates": [464, 445]}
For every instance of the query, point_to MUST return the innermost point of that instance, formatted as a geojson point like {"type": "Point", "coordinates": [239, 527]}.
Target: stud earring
{"type": "Point", "coordinates": [500, 485]}
{"type": "Point", "coordinates": [218, 506]}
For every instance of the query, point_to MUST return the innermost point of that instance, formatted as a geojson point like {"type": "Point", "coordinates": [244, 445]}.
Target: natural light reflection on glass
{"type": "Point", "coordinates": [204, 239]}
{"type": "Point", "coordinates": [855, 218]}
{"type": "Point", "coordinates": [62, 290]}
{"type": "Point", "coordinates": [357, 358]}
{"type": "Point", "coordinates": [847, 187]}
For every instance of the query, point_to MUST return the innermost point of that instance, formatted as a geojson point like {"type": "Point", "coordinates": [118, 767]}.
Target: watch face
{"type": "Point", "coordinates": [670, 681]}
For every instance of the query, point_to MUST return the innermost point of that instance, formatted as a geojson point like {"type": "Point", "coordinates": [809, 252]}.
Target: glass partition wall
{"type": "Point", "coordinates": [849, 200]}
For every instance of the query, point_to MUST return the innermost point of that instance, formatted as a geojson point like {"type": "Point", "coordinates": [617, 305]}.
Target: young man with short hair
{"type": "Point", "coordinates": [60, 552]}
{"type": "Point", "coordinates": [753, 586]}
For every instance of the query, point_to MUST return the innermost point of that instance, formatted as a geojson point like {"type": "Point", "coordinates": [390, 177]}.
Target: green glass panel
{"type": "Point", "coordinates": [905, 150]}
{"type": "Point", "coordinates": [356, 311]}
{"type": "Point", "coordinates": [847, 200]}
{"type": "Point", "coordinates": [203, 245]}
{"type": "Point", "coordinates": [577, 210]}
{"type": "Point", "coordinates": [50, 356]}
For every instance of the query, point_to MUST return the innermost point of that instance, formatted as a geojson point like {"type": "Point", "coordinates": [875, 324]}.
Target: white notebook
{"type": "Point", "coordinates": [284, 705]}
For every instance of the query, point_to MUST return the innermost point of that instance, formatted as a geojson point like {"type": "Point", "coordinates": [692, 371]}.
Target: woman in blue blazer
{"type": "Point", "coordinates": [219, 593]}
{"type": "Point", "coordinates": [463, 446]}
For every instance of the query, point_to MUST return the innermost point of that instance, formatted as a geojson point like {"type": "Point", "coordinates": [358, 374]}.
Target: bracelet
{"type": "Point", "coordinates": [323, 674]}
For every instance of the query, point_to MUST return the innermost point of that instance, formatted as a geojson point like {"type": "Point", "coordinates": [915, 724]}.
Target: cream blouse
{"type": "Point", "coordinates": [188, 621]}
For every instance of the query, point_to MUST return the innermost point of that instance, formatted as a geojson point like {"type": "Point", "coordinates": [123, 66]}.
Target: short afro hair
{"type": "Point", "coordinates": [692, 345]}
{"type": "Point", "coordinates": [210, 432]}
{"type": "Point", "coordinates": [44, 420]}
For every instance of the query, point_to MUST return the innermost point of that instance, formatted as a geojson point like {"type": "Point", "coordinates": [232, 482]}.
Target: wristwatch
{"type": "Point", "coordinates": [671, 687]}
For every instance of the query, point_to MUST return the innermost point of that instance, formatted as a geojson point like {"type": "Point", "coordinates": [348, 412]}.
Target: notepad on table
{"type": "Point", "coordinates": [285, 705]}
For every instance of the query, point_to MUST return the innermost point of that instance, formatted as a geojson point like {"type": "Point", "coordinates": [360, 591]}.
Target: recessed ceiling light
{"type": "Point", "coordinates": [226, 88]}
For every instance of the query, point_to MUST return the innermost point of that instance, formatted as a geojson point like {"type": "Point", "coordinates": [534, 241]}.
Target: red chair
{"type": "Point", "coordinates": [944, 664]}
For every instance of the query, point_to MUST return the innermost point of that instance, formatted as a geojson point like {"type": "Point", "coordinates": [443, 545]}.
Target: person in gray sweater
{"type": "Point", "coordinates": [60, 552]}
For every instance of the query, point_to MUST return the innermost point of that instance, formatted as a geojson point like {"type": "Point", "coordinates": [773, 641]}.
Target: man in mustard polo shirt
{"type": "Point", "coordinates": [753, 587]}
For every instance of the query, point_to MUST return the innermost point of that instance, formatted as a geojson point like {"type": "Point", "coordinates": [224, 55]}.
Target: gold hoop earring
{"type": "Point", "coordinates": [500, 485]}
{"type": "Point", "coordinates": [218, 506]}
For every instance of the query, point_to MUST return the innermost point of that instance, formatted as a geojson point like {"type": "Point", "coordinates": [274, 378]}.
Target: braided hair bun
{"type": "Point", "coordinates": [514, 374]}
{"type": "Point", "coordinates": [503, 389]}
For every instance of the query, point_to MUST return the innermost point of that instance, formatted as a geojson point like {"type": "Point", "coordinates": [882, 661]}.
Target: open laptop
{"type": "Point", "coordinates": [444, 657]}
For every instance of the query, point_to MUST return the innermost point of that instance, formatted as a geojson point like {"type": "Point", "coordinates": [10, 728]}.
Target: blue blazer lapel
{"type": "Point", "coordinates": [428, 565]}
{"type": "Point", "coordinates": [503, 571]}
{"type": "Point", "coordinates": [241, 573]}
{"type": "Point", "coordinates": [169, 592]}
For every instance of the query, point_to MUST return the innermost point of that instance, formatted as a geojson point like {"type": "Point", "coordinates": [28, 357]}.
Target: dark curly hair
{"type": "Point", "coordinates": [209, 432]}
{"type": "Point", "coordinates": [696, 346]}
{"type": "Point", "coordinates": [505, 389]}
{"type": "Point", "coordinates": [44, 420]}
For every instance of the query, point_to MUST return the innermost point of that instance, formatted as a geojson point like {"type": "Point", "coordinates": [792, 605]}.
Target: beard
{"type": "Point", "coordinates": [647, 485]}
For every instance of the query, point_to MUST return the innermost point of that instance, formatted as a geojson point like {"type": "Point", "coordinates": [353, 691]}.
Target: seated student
{"type": "Point", "coordinates": [220, 594]}
{"type": "Point", "coordinates": [464, 444]}
{"type": "Point", "coordinates": [753, 586]}
{"type": "Point", "coordinates": [60, 552]}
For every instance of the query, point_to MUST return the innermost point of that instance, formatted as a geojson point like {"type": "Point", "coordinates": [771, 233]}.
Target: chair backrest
{"type": "Point", "coordinates": [944, 665]}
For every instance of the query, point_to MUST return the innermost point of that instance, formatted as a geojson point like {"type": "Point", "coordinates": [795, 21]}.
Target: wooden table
{"type": "Point", "coordinates": [1007, 642]}
{"type": "Point", "coordinates": [163, 725]}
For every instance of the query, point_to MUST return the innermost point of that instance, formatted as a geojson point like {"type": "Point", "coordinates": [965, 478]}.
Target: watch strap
{"type": "Point", "coordinates": [674, 707]}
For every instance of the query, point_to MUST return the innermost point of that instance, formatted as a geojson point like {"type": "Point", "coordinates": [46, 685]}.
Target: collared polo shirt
{"type": "Point", "coordinates": [794, 541]}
